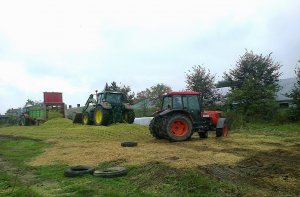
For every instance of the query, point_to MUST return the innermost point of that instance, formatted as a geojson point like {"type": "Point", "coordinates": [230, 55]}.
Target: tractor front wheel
{"type": "Point", "coordinates": [178, 128]}
{"type": "Point", "coordinates": [102, 116]}
{"type": "Point", "coordinates": [85, 119]}
{"type": "Point", "coordinates": [222, 128]}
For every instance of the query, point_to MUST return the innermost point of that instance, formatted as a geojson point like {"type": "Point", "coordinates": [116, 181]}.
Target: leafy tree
{"type": "Point", "coordinates": [153, 93]}
{"type": "Point", "coordinates": [30, 102]}
{"type": "Point", "coordinates": [201, 80]}
{"type": "Point", "coordinates": [254, 84]}
{"type": "Point", "coordinates": [295, 94]}
{"type": "Point", "coordinates": [121, 88]}
{"type": "Point", "coordinates": [223, 83]}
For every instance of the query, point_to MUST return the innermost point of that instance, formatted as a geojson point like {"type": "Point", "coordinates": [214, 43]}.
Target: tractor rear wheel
{"type": "Point", "coordinates": [178, 128]}
{"type": "Point", "coordinates": [129, 116]}
{"type": "Point", "coordinates": [156, 127]}
{"type": "Point", "coordinates": [102, 116]}
{"type": "Point", "coordinates": [85, 119]}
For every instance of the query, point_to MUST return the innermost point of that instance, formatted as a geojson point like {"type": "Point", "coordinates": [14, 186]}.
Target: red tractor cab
{"type": "Point", "coordinates": [181, 114]}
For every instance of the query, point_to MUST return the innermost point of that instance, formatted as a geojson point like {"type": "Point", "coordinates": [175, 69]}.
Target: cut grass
{"type": "Point", "coordinates": [257, 161]}
{"type": "Point", "coordinates": [151, 179]}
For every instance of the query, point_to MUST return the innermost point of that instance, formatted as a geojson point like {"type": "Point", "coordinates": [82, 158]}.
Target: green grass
{"type": "Point", "coordinates": [146, 179]}
{"type": "Point", "coordinates": [271, 129]}
{"type": "Point", "coordinates": [151, 179]}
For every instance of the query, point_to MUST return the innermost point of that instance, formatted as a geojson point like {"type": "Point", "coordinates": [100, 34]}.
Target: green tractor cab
{"type": "Point", "coordinates": [108, 107]}
{"type": "Point", "coordinates": [180, 115]}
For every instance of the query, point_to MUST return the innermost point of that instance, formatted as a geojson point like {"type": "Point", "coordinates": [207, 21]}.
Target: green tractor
{"type": "Point", "coordinates": [181, 115]}
{"type": "Point", "coordinates": [108, 107]}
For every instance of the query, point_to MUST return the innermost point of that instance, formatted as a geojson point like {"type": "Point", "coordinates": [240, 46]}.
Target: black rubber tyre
{"type": "Point", "coordinates": [222, 131]}
{"type": "Point", "coordinates": [178, 127]}
{"type": "Point", "coordinates": [111, 172]}
{"type": "Point", "coordinates": [78, 171]}
{"type": "Point", "coordinates": [102, 116]}
{"type": "Point", "coordinates": [203, 134]}
{"type": "Point", "coordinates": [86, 119]}
{"type": "Point", "coordinates": [129, 144]}
{"type": "Point", "coordinates": [155, 127]}
{"type": "Point", "coordinates": [129, 116]}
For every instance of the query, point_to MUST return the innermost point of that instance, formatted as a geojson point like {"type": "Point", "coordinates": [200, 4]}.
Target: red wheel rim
{"type": "Point", "coordinates": [179, 127]}
{"type": "Point", "coordinates": [225, 131]}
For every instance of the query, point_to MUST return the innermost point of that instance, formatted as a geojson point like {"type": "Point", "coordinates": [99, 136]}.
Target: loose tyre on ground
{"type": "Point", "coordinates": [178, 128]}
{"type": "Point", "coordinates": [129, 144]}
{"type": "Point", "coordinates": [102, 116]}
{"type": "Point", "coordinates": [78, 171]}
{"type": "Point", "coordinates": [111, 172]}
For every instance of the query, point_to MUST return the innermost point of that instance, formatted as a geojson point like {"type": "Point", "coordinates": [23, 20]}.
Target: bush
{"type": "Point", "coordinates": [235, 120]}
{"type": "Point", "coordinates": [281, 116]}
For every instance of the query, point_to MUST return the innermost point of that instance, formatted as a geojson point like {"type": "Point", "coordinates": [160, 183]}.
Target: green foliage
{"type": "Point", "coordinates": [201, 80]}
{"type": "Point", "coordinates": [295, 95]}
{"type": "Point", "coordinates": [147, 100]}
{"type": "Point", "coordinates": [223, 83]}
{"type": "Point", "coordinates": [281, 116]}
{"type": "Point", "coordinates": [152, 94]}
{"type": "Point", "coordinates": [121, 88]}
{"type": "Point", "coordinates": [254, 85]}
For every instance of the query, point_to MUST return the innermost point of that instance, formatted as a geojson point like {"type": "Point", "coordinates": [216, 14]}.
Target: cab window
{"type": "Point", "coordinates": [193, 102]}
{"type": "Point", "coordinates": [167, 103]}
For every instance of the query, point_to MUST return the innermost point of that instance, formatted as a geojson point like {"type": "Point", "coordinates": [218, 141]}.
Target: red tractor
{"type": "Point", "coordinates": [182, 114]}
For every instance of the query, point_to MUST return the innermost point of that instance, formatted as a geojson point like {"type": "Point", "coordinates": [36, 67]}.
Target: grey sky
{"type": "Point", "coordinates": [75, 47]}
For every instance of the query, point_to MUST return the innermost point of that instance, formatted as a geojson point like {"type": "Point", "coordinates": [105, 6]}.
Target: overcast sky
{"type": "Point", "coordinates": [75, 47]}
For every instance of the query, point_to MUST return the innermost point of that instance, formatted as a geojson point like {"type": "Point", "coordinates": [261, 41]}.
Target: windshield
{"type": "Point", "coordinates": [114, 98]}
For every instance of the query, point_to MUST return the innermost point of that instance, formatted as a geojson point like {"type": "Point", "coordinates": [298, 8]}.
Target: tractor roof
{"type": "Point", "coordinates": [183, 93]}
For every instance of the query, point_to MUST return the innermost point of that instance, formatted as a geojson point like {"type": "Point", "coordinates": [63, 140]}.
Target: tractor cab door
{"type": "Point", "coordinates": [191, 104]}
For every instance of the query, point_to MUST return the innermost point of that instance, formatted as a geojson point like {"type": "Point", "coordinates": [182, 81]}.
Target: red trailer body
{"type": "Point", "coordinates": [53, 97]}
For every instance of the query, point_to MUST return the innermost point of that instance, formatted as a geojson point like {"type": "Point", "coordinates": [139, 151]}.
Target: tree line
{"type": "Point", "coordinates": [252, 83]}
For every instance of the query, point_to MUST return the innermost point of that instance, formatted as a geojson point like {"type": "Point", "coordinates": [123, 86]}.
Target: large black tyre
{"type": "Point", "coordinates": [78, 171]}
{"type": "Point", "coordinates": [155, 127]}
{"type": "Point", "coordinates": [102, 116]}
{"type": "Point", "coordinates": [111, 172]}
{"type": "Point", "coordinates": [86, 119]}
{"type": "Point", "coordinates": [129, 116]}
{"type": "Point", "coordinates": [222, 131]}
{"type": "Point", "coordinates": [178, 127]}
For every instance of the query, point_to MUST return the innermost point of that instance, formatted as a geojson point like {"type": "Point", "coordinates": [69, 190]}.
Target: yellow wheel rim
{"type": "Point", "coordinates": [98, 116]}
{"type": "Point", "coordinates": [85, 119]}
